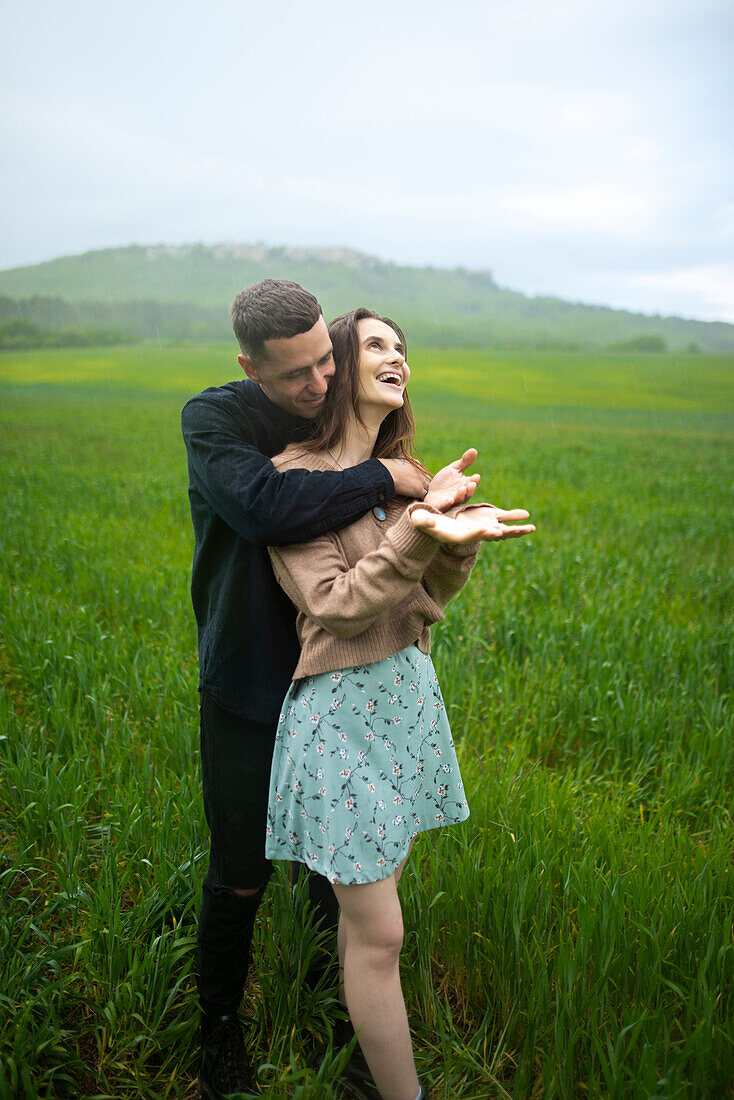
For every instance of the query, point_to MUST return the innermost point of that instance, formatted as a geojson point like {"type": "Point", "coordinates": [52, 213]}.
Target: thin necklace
{"type": "Point", "coordinates": [335, 459]}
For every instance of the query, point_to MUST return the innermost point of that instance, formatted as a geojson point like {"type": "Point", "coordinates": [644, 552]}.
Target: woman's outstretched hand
{"type": "Point", "coordinates": [475, 523]}
{"type": "Point", "coordinates": [451, 486]}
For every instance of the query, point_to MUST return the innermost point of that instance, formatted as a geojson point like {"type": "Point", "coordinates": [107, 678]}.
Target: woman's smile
{"type": "Point", "coordinates": [391, 378]}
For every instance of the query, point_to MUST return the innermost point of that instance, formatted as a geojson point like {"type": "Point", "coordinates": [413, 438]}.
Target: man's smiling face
{"type": "Point", "coordinates": [295, 372]}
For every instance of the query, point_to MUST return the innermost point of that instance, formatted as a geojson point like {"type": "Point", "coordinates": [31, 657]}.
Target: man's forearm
{"type": "Point", "coordinates": [263, 505]}
{"type": "Point", "coordinates": [408, 481]}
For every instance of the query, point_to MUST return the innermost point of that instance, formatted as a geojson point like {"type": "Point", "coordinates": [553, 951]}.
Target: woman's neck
{"type": "Point", "coordinates": [357, 441]}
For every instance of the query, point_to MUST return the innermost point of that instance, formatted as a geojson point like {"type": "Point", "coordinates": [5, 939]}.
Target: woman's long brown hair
{"type": "Point", "coordinates": [396, 437]}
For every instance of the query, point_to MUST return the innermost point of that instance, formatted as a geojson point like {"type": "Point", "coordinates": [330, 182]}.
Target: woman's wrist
{"type": "Point", "coordinates": [434, 501]}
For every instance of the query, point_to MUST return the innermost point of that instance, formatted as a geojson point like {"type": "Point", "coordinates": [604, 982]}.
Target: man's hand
{"type": "Point", "coordinates": [450, 486]}
{"type": "Point", "coordinates": [409, 482]}
{"type": "Point", "coordinates": [481, 522]}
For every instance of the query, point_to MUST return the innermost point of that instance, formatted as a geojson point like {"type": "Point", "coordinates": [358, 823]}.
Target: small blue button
{"type": "Point", "coordinates": [379, 513]}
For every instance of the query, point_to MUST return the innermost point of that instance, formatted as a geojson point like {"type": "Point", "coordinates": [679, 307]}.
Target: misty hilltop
{"type": "Point", "coordinates": [184, 292]}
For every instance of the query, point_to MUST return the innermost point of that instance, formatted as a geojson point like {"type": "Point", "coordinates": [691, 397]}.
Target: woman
{"type": "Point", "coordinates": [364, 758]}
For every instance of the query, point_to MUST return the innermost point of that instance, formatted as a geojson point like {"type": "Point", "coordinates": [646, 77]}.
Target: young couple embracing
{"type": "Point", "coordinates": [323, 553]}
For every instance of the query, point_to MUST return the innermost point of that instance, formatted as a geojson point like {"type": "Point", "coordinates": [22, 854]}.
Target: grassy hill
{"type": "Point", "coordinates": [184, 292]}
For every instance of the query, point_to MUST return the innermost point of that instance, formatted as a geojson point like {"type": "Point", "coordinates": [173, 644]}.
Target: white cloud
{"type": "Point", "coordinates": [599, 208]}
{"type": "Point", "coordinates": [709, 288]}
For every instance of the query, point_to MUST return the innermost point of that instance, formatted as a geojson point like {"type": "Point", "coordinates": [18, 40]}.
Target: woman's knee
{"type": "Point", "coordinates": [372, 919]}
{"type": "Point", "coordinates": [392, 942]}
{"type": "Point", "coordinates": [382, 940]}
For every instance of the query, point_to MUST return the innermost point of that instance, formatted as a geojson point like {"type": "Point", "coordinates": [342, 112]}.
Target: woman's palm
{"type": "Point", "coordinates": [472, 523]}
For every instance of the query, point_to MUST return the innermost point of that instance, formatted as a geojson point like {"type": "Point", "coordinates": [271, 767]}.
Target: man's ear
{"type": "Point", "coordinates": [248, 367]}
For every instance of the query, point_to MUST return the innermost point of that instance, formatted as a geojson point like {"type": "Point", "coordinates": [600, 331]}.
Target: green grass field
{"type": "Point", "coordinates": [574, 937]}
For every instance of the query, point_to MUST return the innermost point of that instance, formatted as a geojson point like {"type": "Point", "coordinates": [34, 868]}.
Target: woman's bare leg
{"type": "Point", "coordinates": [341, 938]}
{"type": "Point", "coordinates": [372, 934]}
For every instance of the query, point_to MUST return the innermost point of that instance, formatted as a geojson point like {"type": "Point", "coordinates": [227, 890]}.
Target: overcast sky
{"type": "Point", "coordinates": [576, 147]}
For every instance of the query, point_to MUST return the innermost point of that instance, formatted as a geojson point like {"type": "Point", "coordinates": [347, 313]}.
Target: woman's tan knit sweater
{"type": "Point", "coordinates": [370, 589]}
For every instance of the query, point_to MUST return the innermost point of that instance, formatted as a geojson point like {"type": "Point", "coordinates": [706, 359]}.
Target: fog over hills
{"type": "Point", "coordinates": [184, 292]}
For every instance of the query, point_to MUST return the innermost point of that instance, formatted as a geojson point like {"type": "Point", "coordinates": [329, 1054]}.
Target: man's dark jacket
{"type": "Point", "coordinates": [240, 505]}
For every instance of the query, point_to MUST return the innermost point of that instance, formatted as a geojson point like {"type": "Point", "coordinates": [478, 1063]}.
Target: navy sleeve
{"type": "Point", "coordinates": [265, 506]}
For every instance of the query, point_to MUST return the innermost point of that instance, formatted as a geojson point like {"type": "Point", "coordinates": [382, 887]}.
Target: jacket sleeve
{"type": "Point", "coordinates": [264, 505]}
{"type": "Point", "coordinates": [346, 600]}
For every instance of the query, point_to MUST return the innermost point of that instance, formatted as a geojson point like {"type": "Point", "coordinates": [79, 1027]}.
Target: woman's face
{"type": "Point", "coordinates": [383, 371]}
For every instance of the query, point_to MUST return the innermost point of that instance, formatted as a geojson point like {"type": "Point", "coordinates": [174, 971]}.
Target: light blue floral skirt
{"type": "Point", "coordinates": [363, 761]}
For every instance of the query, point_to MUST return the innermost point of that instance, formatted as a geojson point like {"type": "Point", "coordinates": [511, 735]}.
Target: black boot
{"type": "Point", "coordinates": [225, 1068]}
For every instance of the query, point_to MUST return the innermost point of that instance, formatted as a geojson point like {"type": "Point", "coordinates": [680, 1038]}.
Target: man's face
{"type": "Point", "coordinates": [296, 371]}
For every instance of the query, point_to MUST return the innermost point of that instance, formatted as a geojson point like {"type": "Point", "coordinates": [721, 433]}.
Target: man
{"type": "Point", "coordinates": [246, 626]}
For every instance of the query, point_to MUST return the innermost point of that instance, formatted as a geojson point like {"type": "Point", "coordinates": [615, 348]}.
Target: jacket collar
{"type": "Point", "coordinates": [280, 417]}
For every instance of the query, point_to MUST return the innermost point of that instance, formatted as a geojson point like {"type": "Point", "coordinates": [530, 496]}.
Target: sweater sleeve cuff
{"type": "Point", "coordinates": [408, 540]}
{"type": "Point", "coordinates": [463, 550]}
{"type": "Point", "coordinates": [467, 549]}
{"type": "Point", "coordinates": [468, 507]}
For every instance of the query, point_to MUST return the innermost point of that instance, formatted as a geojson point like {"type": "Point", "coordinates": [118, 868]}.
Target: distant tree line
{"type": "Point", "coordinates": [651, 343]}
{"type": "Point", "coordinates": [24, 334]}
{"type": "Point", "coordinates": [495, 319]}
{"type": "Point", "coordinates": [140, 320]}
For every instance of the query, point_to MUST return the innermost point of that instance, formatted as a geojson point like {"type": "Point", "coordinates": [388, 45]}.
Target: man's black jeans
{"type": "Point", "coordinates": [235, 765]}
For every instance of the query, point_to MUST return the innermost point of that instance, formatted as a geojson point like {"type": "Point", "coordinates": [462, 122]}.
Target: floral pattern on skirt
{"type": "Point", "coordinates": [363, 761]}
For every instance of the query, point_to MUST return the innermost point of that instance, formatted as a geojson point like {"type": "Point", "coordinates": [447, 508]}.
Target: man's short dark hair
{"type": "Point", "coordinates": [272, 310]}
